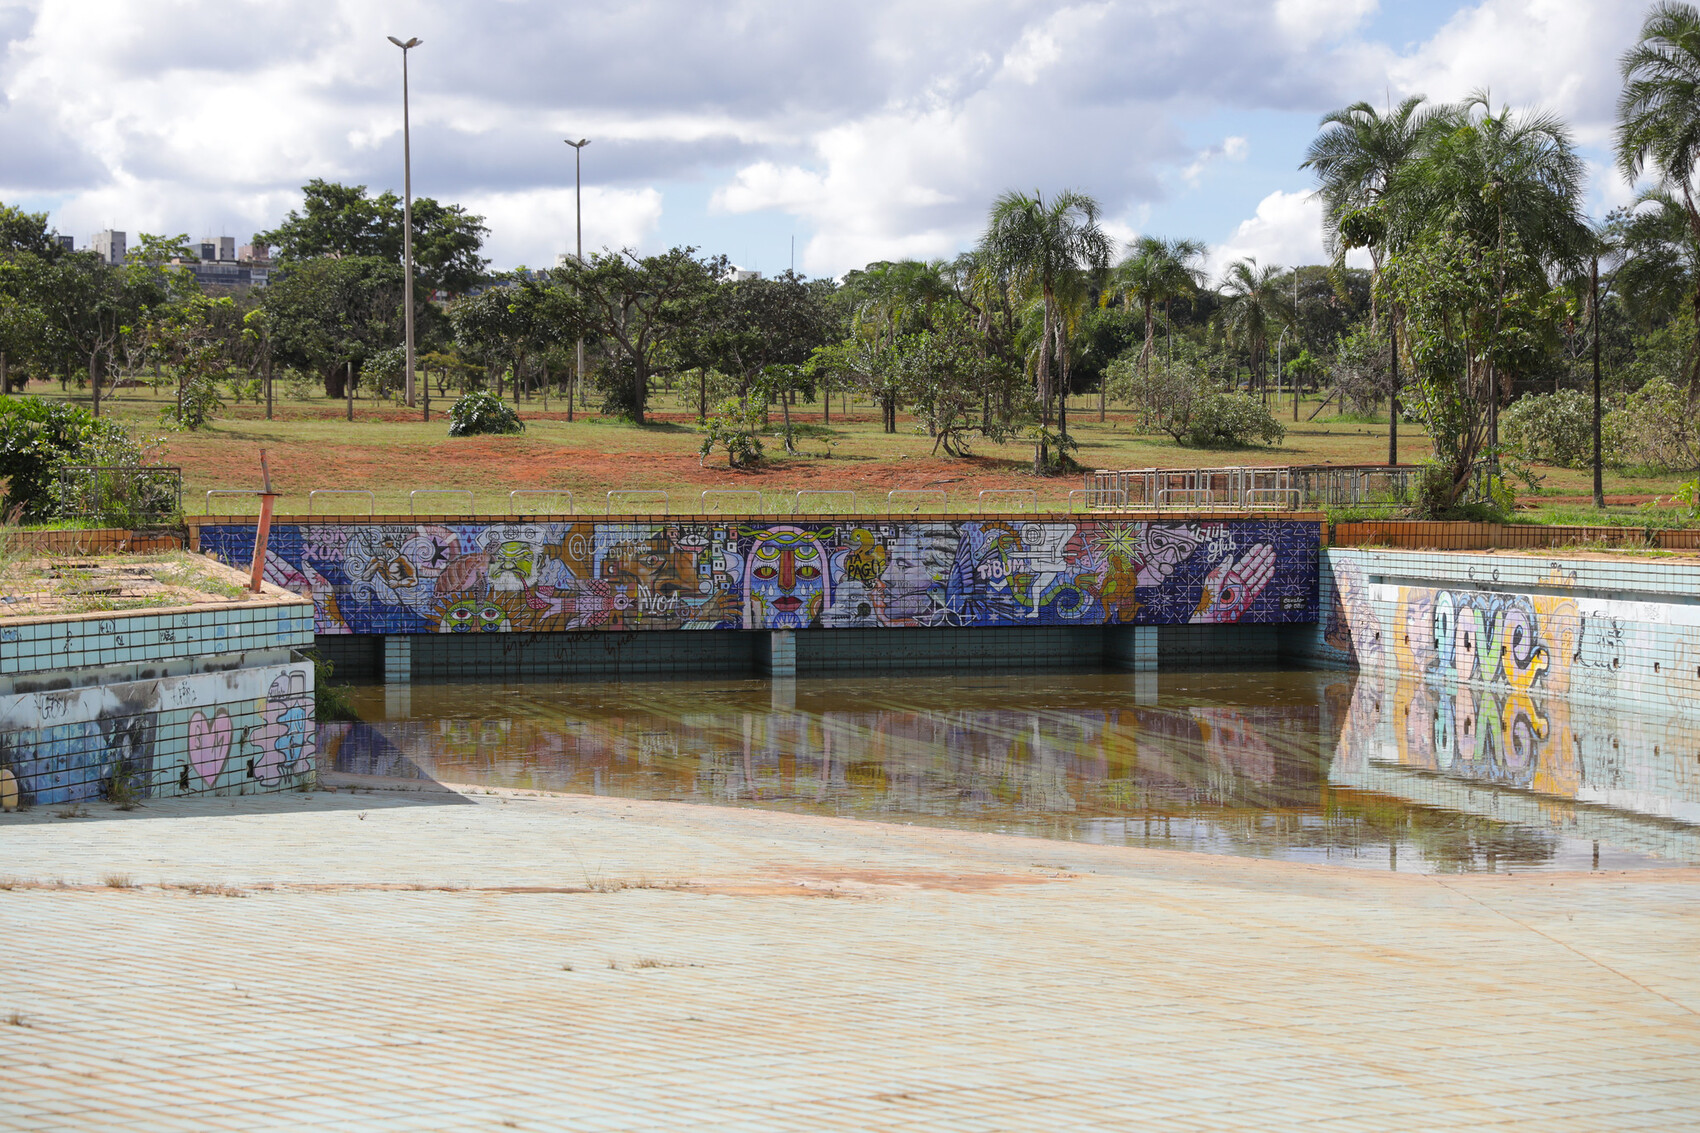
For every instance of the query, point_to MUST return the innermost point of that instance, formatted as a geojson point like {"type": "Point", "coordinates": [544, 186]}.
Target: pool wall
{"type": "Point", "coordinates": [437, 597]}
{"type": "Point", "coordinates": [156, 702]}
{"type": "Point", "coordinates": [1620, 630]}
{"type": "Point", "coordinates": [1550, 690]}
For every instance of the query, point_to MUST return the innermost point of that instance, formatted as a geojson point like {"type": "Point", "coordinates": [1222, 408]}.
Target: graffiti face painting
{"type": "Point", "coordinates": [633, 575]}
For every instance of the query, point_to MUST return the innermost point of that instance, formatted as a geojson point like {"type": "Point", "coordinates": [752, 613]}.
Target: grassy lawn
{"type": "Point", "coordinates": [389, 451]}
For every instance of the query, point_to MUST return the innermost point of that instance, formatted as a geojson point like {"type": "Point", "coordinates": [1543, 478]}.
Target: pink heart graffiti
{"type": "Point", "coordinates": [209, 745]}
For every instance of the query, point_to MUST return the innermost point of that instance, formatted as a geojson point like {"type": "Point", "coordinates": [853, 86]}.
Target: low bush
{"type": "Point", "coordinates": [482, 412]}
{"type": "Point", "coordinates": [735, 425]}
{"type": "Point", "coordinates": [1229, 420]}
{"type": "Point", "coordinates": [1551, 428]}
{"type": "Point", "coordinates": [1654, 429]}
{"type": "Point", "coordinates": [37, 436]}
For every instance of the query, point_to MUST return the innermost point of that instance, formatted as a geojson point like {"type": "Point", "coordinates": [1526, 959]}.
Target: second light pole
{"type": "Point", "coordinates": [578, 221]}
{"type": "Point", "coordinates": [407, 208]}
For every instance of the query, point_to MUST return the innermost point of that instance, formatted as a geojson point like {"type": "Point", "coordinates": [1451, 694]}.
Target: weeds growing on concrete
{"type": "Point", "coordinates": [72, 811]}
{"type": "Point", "coordinates": [16, 1019]}
{"type": "Point", "coordinates": [117, 881]}
{"type": "Point", "coordinates": [200, 890]}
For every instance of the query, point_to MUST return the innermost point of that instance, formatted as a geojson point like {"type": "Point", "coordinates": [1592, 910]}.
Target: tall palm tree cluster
{"type": "Point", "coordinates": [1046, 304]}
{"type": "Point", "coordinates": [1483, 264]}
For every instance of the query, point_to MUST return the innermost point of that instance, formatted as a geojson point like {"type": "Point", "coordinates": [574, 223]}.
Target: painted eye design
{"type": "Point", "coordinates": [805, 553]}
{"type": "Point", "coordinates": [767, 552]}
{"type": "Point", "coordinates": [491, 613]}
{"type": "Point", "coordinates": [460, 613]}
{"type": "Point", "coordinates": [766, 572]}
{"type": "Point", "coordinates": [808, 572]}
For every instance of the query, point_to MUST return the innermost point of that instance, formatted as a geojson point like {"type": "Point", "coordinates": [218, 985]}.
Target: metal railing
{"type": "Point", "coordinates": [371, 498]}
{"type": "Point", "coordinates": [714, 501]}
{"type": "Point", "coordinates": [994, 496]}
{"type": "Point", "coordinates": [413, 499]}
{"type": "Point", "coordinates": [513, 500]}
{"type": "Point", "coordinates": [1096, 499]}
{"type": "Point", "coordinates": [644, 500]}
{"type": "Point", "coordinates": [255, 492]}
{"type": "Point", "coordinates": [913, 501]}
{"type": "Point", "coordinates": [823, 501]}
{"type": "Point", "coordinates": [1257, 487]}
{"type": "Point", "coordinates": [123, 495]}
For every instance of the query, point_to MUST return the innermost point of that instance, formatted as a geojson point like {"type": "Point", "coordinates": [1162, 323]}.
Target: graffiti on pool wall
{"type": "Point", "coordinates": [1479, 683]}
{"type": "Point", "coordinates": [222, 732]}
{"type": "Point", "coordinates": [507, 577]}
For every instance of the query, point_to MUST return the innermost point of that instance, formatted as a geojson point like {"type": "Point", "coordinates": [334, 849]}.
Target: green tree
{"type": "Point", "coordinates": [1157, 272]}
{"type": "Point", "coordinates": [329, 312]}
{"type": "Point", "coordinates": [1252, 308]}
{"type": "Point", "coordinates": [641, 311]}
{"type": "Point", "coordinates": [341, 220]}
{"type": "Point", "coordinates": [1658, 123]}
{"type": "Point", "coordinates": [1039, 245]}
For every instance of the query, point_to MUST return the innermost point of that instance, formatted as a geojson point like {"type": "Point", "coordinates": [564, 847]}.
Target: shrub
{"type": "Point", "coordinates": [735, 425]}
{"type": "Point", "coordinates": [482, 412]}
{"type": "Point", "coordinates": [1552, 428]}
{"type": "Point", "coordinates": [1654, 429]}
{"type": "Point", "coordinates": [1230, 420]}
{"type": "Point", "coordinates": [37, 436]}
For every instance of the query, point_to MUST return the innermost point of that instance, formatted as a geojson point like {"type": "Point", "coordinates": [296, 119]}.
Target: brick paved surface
{"type": "Point", "coordinates": [602, 964]}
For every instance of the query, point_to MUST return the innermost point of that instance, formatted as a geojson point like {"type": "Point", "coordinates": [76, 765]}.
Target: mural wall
{"type": "Point", "coordinates": [504, 577]}
{"type": "Point", "coordinates": [206, 733]}
{"type": "Point", "coordinates": [1564, 694]}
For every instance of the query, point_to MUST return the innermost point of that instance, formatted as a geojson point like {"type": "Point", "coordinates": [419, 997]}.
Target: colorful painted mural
{"type": "Point", "coordinates": [1536, 690]}
{"type": "Point", "coordinates": [221, 733]}
{"type": "Point", "coordinates": [504, 577]}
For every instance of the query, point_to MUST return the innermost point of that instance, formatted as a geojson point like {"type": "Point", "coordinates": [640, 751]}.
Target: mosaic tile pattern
{"type": "Point", "coordinates": [518, 576]}
{"type": "Point", "coordinates": [127, 638]}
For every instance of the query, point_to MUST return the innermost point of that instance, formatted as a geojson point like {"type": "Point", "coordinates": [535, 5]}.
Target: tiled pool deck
{"type": "Point", "coordinates": [437, 961]}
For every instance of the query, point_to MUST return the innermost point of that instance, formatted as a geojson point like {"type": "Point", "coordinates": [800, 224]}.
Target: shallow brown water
{"type": "Point", "coordinates": [1290, 765]}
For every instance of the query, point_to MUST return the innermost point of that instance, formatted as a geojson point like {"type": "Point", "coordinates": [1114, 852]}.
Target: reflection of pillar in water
{"type": "Point", "coordinates": [398, 701]}
{"type": "Point", "coordinates": [784, 694]}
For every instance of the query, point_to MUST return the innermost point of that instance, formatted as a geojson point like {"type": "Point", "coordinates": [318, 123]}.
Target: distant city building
{"type": "Point", "coordinates": [739, 275]}
{"type": "Point", "coordinates": [259, 252]}
{"type": "Point", "coordinates": [108, 245]}
{"type": "Point", "coordinates": [68, 243]}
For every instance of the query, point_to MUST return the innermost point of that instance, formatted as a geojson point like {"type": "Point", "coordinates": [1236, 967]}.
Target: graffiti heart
{"type": "Point", "coordinates": [497, 577]}
{"type": "Point", "coordinates": [209, 745]}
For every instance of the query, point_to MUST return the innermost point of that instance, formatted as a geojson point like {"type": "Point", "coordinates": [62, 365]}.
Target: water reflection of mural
{"type": "Point", "coordinates": [491, 577]}
{"type": "Point", "coordinates": [986, 760]}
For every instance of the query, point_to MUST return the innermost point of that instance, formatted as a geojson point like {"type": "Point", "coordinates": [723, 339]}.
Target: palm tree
{"type": "Point", "coordinates": [1038, 244]}
{"type": "Point", "coordinates": [1358, 157]}
{"type": "Point", "coordinates": [1156, 271]}
{"type": "Point", "coordinates": [1658, 119]}
{"type": "Point", "coordinates": [1251, 306]}
{"type": "Point", "coordinates": [1498, 177]}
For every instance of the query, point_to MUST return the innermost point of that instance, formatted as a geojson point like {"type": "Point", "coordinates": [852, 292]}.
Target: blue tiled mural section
{"type": "Point", "coordinates": [498, 577]}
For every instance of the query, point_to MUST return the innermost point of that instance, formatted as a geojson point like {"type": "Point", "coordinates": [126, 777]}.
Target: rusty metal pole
{"type": "Point", "coordinates": [263, 532]}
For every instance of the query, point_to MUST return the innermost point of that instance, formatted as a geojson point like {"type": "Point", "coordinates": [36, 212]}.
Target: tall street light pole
{"type": "Point", "coordinates": [578, 220]}
{"type": "Point", "coordinates": [407, 207]}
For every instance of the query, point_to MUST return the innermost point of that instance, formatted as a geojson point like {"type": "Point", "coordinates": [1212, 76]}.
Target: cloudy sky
{"type": "Point", "coordinates": [860, 129]}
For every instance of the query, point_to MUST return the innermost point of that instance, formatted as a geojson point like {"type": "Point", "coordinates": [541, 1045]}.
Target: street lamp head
{"type": "Point", "coordinates": [580, 144]}
{"type": "Point", "coordinates": [414, 42]}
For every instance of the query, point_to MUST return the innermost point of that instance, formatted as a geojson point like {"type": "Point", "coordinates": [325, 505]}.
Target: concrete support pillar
{"type": "Point", "coordinates": [398, 659]}
{"type": "Point", "coordinates": [779, 653]}
{"type": "Point", "coordinates": [1132, 647]}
